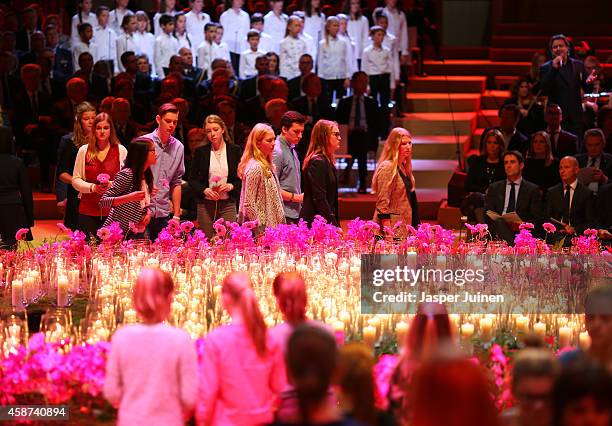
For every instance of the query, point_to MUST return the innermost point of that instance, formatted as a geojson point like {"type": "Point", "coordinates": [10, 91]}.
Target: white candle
{"type": "Point", "coordinates": [29, 287]}
{"type": "Point", "coordinates": [486, 326]}
{"type": "Point", "coordinates": [369, 335]}
{"type": "Point", "coordinates": [585, 340]}
{"type": "Point", "coordinates": [539, 328]}
{"type": "Point", "coordinates": [14, 330]}
{"type": "Point", "coordinates": [565, 337]}
{"type": "Point", "coordinates": [17, 293]}
{"type": "Point", "coordinates": [440, 262]}
{"type": "Point", "coordinates": [62, 291]}
{"type": "Point", "coordinates": [411, 259]}
{"type": "Point", "coordinates": [467, 330]}
{"type": "Point", "coordinates": [522, 324]}
{"type": "Point", "coordinates": [401, 328]}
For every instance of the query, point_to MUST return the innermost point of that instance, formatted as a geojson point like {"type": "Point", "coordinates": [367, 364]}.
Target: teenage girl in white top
{"type": "Point", "coordinates": [334, 60]}
{"type": "Point", "coordinates": [84, 15]}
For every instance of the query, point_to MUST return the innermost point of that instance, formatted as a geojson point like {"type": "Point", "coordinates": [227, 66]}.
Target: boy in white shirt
{"type": "Point", "coordinates": [377, 63]}
{"type": "Point", "coordinates": [275, 23]}
{"type": "Point", "coordinates": [166, 45]}
{"type": "Point", "coordinates": [209, 50]}
{"type": "Point", "coordinates": [391, 42]}
{"type": "Point", "coordinates": [105, 39]}
{"type": "Point", "coordinates": [266, 42]}
{"type": "Point", "coordinates": [249, 56]}
{"type": "Point", "coordinates": [84, 45]}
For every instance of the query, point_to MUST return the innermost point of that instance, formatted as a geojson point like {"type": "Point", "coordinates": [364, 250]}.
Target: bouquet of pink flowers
{"type": "Point", "coordinates": [103, 178]}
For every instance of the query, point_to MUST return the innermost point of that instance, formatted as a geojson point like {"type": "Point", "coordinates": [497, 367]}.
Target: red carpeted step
{"type": "Point", "coordinates": [447, 84]}
{"type": "Point", "coordinates": [45, 206]}
{"type": "Point", "coordinates": [438, 123]}
{"type": "Point", "coordinates": [547, 29]}
{"type": "Point", "coordinates": [476, 67]}
{"type": "Point", "coordinates": [504, 82]}
{"type": "Point", "coordinates": [441, 102]}
{"type": "Point", "coordinates": [541, 42]}
{"type": "Point", "coordinates": [439, 147]}
{"type": "Point", "coordinates": [493, 99]}
{"type": "Point", "coordinates": [462, 52]}
{"type": "Point", "coordinates": [488, 118]}
{"type": "Point", "coordinates": [433, 173]}
{"type": "Point", "coordinates": [512, 54]}
{"type": "Point", "coordinates": [476, 136]}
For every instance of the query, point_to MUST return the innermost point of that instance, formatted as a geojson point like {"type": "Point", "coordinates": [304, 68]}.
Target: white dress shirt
{"type": "Point", "coordinates": [334, 59]}
{"type": "Point", "coordinates": [266, 43]}
{"type": "Point", "coordinates": [276, 25]}
{"type": "Point", "coordinates": [399, 28]}
{"type": "Point", "coordinates": [208, 52]}
{"type": "Point", "coordinates": [314, 26]}
{"type": "Point", "coordinates": [247, 62]}
{"type": "Point", "coordinates": [390, 42]}
{"type": "Point", "coordinates": [291, 49]}
{"type": "Point", "coordinates": [352, 59]}
{"type": "Point", "coordinates": [106, 43]}
{"type": "Point", "coordinates": [157, 31]}
{"type": "Point", "coordinates": [74, 23]}
{"type": "Point", "coordinates": [195, 26]}
{"type": "Point", "coordinates": [235, 28]}
{"type": "Point", "coordinates": [376, 61]}
{"type": "Point", "coordinates": [125, 43]}
{"type": "Point", "coordinates": [80, 48]}
{"type": "Point", "coordinates": [166, 46]}
{"type": "Point", "coordinates": [115, 18]}
{"type": "Point", "coordinates": [218, 167]}
{"type": "Point", "coordinates": [359, 31]}
{"type": "Point", "coordinates": [145, 43]}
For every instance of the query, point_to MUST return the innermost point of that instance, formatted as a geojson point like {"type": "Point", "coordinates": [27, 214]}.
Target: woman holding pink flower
{"type": "Point", "coordinates": [96, 164]}
{"type": "Point", "coordinates": [260, 199]}
{"type": "Point", "coordinates": [214, 176]}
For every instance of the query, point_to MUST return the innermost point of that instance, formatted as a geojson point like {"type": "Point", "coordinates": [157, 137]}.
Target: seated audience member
{"type": "Point", "coordinates": [275, 109]}
{"type": "Point", "coordinates": [101, 76]}
{"type": "Point", "coordinates": [124, 127]}
{"type": "Point", "coordinates": [595, 159]}
{"type": "Point", "coordinates": [513, 139]}
{"type": "Point", "coordinates": [37, 40]}
{"type": "Point", "coordinates": [532, 114]}
{"type": "Point", "coordinates": [540, 166]}
{"type": "Point", "coordinates": [296, 84]}
{"type": "Point", "coordinates": [569, 202]}
{"type": "Point", "coordinates": [237, 132]}
{"type": "Point", "coordinates": [138, 381]}
{"type": "Point", "coordinates": [62, 65]}
{"type": "Point", "coordinates": [63, 111]}
{"type": "Point", "coordinates": [8, 79]}
{"type": "Point", "coordinates": [106, 105]}
{"type": "Point", "coordinates": [604, 207]}
{"type": "Point", "coordinates": [253, 109]}
{"type": "Point", "coordinates": [273, 63]}
{"type": "Point", "coordinates": [248, 86]}
{"type": "Point", "coordinates": [512, 195]}
{"type": "Point", "coordinates": [582, 395]}
{"type": "Point", "coordinates": [563, 143]}
{"type": "Point", "coordinates": [190, 72]}
{"type": "Point", "coordinates": [85, 71]}
{"type": "Point", "coordinates": [533, 377]}
{"type": "Point", "coordinates": [184, 125]}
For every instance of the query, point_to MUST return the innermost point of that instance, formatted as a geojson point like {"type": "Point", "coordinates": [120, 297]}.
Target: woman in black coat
{"type": "Point", "coordinates": [16, 200]}
{"type": "Point", "coordinates": [320, 183]}
{"type": "Point", "coordinates": [213, 177]}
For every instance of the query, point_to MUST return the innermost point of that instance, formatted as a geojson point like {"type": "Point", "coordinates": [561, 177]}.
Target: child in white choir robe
{"type": "Point", "coordinates": [152, 371]}
{"type": "Point", "coordinates": [181, 34]}
{"type": "Point", "coordinates": [85, 44]}
{"type": "Point", "coordinates": [398, 26]}
{"type": "Point", "coordinates": [196, 21]}
{"type": "Point", "coordinates": [209, 50]}
{"type": "Point", "coordinates": [314, 21]}
{"type": "Point", "coordinates": [291, 48]}
{"type": "Point", "coordinates": [166, 45]}
{"type": "Point", "coordinates": [115, 18]}
{"type": "Point", "coordinates": [84, 16]}
{"type": "Point", "coordinates": [275, 23]}
{"type": "Point", "coordinates": [145, 40]}
{"type": "Point", "coordinates": [266, 42]}
{"type": "Point", "coordinates": [390, 41]}
{"type": "Point", "coordinates": [236, 24]}
{"type": "Point", "coordinates": [105, 39]}
{"type": "Point", "coordinates": [358, 27]}
{"type": "Point", "coordinates": [249, 56]}
{"type": "Point", "coordinates": [343, 22]}
{"type": "Point", "coordinates": [126, 41]}
{"type": "Point", "coordinates": [334, 63]}
{"type": "Point", "coordinates": [166, 7]}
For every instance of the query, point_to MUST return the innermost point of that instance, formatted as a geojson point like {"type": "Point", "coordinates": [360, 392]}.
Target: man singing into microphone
{"type": "Point", "coordinates": [561, 80]}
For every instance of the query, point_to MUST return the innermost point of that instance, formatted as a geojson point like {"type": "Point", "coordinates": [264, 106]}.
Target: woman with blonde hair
{"type": "Point", "coordinates": [541, 167]}
{"type": "Point", "coordinates": [138, 378]}
{"type": "Point", "coordinates": [320, 182]}
{"type": "Point", "coordinates": [260, 197]}
{"type": "Point", "coordinates": [85, 113]}
{"type": "Point", "coordinates": [240, 386]}
{"type": "Point", "coordinates": [95, 167]}
{"type": "Point", "coordinates": [214, 176]}
{"type": "Point", "coordinates": [393, 180]}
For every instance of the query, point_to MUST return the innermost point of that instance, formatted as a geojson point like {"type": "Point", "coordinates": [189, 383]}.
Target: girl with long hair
{"type": "Point", "coordinates": [260, 197]}
{"type": "Point", "coordinates": [273, 63]}
{"type": "Point", "coordinates": [320, 182]}
{"type": "Point", "coordinates": [393, 180]}
{"type": "Point", "coordinates": [166, 7]}
{"type": "Point", "coordinates": [314, 20]}
{"type": "Point", "coordinates": [181, 34]}
{"type": "Point", "coordinates": [127, 42]}
{"type": "Point", "coordinates": [541, 167]}
{"type": "Point", "coordinates": [531, 118]}
{"type": "Point", "coordinates": [291, 48]}
{"type": "Point", "coordinates": [103, 155]}
{"type": "Point", "coordinates": [357, 27]}
{"type": "Point", "coordinates": [129, 196]}
{"type": "Point", "coordinates": [84, 15]}
{"type": "Point", "coordinates": [138, 380]}
{"type": "Point", "coordinates": [214, 175]}
{"type": "Point", "coordinates": [335, 61]}
{"type": "Point", "coordinates": [239, 386]}
{"type": "Point", "coordinates": [85, 114]}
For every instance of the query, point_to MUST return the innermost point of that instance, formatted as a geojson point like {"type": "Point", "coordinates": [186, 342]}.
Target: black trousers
{"type": "Point", "coordinates": [334, 86]}
{"type": "Point", "coordinates": [358, 148]}
{"type": "Point", "coordinates": [12, 218]}
{"type": "Point", "coordinates": [235, 57]}
{"type": "Point", "coordinates": [380, 89]}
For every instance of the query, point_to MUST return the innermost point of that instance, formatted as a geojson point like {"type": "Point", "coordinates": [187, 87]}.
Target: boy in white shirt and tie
{"type": "Point", "coordinates": [249, 56]}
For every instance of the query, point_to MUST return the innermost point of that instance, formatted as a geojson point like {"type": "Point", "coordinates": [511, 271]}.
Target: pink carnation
{"type": "Point", "coordinates": [187, 226]}
{"type": "Point", "coordinates": [215, 179]}
{"type": "Point", "coordinates": [22, 234]}
{"type": "Point", "coordinates": [104, 233]}
{"type": "Point", "coordinates": [549, 227]}
{"type": "Point", "coordinates": [103, 178]}
{"type": "Point", "coordinates": [590, 232]}
{"type": "Point", "coordinates": [526, 225]}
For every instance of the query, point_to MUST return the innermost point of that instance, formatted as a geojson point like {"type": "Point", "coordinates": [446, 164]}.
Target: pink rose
{"type": "Point", "coordinates": [103, 178]}
{"type": "Point", "coordinates": [214, 181]}
{"type": "Point", "coordinates": [22, 234]}
{"type": "Point", "coordinates": [187, 226]}
{"type": "Point", "coordinates": [549, 227]}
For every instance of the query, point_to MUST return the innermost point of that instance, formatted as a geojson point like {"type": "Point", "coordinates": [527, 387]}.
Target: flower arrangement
{"type": "Point", "coordinates": [103, 178]}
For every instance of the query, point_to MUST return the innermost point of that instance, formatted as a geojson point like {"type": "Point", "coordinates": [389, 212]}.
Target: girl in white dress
{"type": "Point", "coordinates": [358, 27]}
{"type": "Point", "coordinates": [145, 40]}
{"type": "Point", "coordinates": [314, 20]}
{"type": "Point", "coordinates": [291, 48]}
{"type": "Point", "coordinates": [334, 61]}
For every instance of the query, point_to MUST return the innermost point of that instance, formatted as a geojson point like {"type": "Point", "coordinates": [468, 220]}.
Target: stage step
{"type": "Point", "coordinates": [540, 43]}
{"type": "Point", "coordinates": [45, 206]}
{"type": "Point", "coordinates": [476, 67]}
{"type": "Point", "coordinates": [494, 99]}
{"type": "Point", "coordinates": [441, 102]}
{"type": "Point", "coordinates": [462, 52]}
{"type": "Point", "coordinates": [488, 118]}
{"type": "Point", "coordinates": [438, 123]}
{"type": "Point", "coordinates": [433, 173]}
{"type": "Point", "coordinates": [439, 147]}
{"type": "Point", "coordinates": [549, 28]}
{"type": "Point", "coordinates": [504, 82]}
{"type": "Point", "coordinates": [447, 84]}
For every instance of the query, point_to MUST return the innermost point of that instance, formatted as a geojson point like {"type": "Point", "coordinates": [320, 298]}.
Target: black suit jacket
{"type": "Point", "coordinates": [605, 164]}
{"type": "Point", "coordinates": [23, 114]}
{"type": "Point", "coordinates": [604, 207]}
{"type": "Point", "coordinates": [295, 86]}
{"type": "Point", "coordinates": [21, 40]}
{"type": "Point", "coordinates": [63, 67]}
{"type": "Point", "coordinates": [301, 105]}
{"type": "Point", "coordinates": [581, 209]}
{"type": "Point", "coordinates": [15, 186]}
{"type": "Point", "coordinates": [528, 202]}
{"type": "Point", "coordinates": [477, 179]}
{"type": "Point", "coordinates": [373, 119]}
{"type": "Point", "coordinates": [320, 185]}
{"type": "Point", "coordinates": [567, 144]}
{"type": "Point", "coordinates": [200, 166]}
{"type": "Point", "coordinates": [562, 86]}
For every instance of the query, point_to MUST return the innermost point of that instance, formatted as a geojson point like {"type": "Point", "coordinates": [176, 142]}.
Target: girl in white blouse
{"type": "Point", "coordinates": [145, 40]}
{"type": "Point", "coordinates": [260, 197]}
{"type": "Point", "coordinates": [334, 60]}
{"type": "Point", "coordinates": [126, 41]}
{"type": "Point", "coordinates": [291, 48]}
{"type": "Point", "coordinates": [181, 34]}
{"type": "Point", "coordinates": [84, 16]}
{"type": "Point", "coordinates": [343, 33]}
{"type": "Point", "coordinates": [314, 20]}
{"type": "Point", "coordinates": [166, 7]}
{"type": "Point", "coordinates": [357, 27]}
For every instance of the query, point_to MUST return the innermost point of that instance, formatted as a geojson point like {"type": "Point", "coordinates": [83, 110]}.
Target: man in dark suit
{"type": "Point", "coordinates": [563, 143]}
{"type": "Point", "coordinates": [361, 114]}
{"type": "Point", "coordinates": [29, 19]}
{"type": "Point", "coordinates": [601, 162]}
{"type": "Point", "coordinates": [37, 43]}
{"type": "Point", "coordinates": [63, 67]}
{"type": "Point", "coordinates": [513, 194]}
{"type": "Point", "coordinates": [514, 140]}
{"type": "Point", "coordinates": [604, 213]}
{"type": "Point", "coordinates": [9, 82]}
{"type": "Point", "coordinates": [569, 202]}
{"type": "Point", "coordinates": [248, 86]}
{"type": "Point", "coordinates": [124, 128]}
{"type": "Point", "coordinates": [295, 84]}
{"type": "Point", "coordinates": [561, 79]}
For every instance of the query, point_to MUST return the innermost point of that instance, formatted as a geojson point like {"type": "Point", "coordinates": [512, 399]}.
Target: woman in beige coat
{"type": "Point", "coordinates": [393, 180]}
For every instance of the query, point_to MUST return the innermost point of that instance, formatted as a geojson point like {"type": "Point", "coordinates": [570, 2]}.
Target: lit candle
{"type": "Point", "coordinates": [14, 330]}
{"type": "Point", "coordinates": [467, 330]}
{"type": "Point", "coordinates": [411, 259]}
{"type": "Point", "coordinates": [565, 337]}
{"type": "Point", "coordinates": [539, 328]}
{"type": "Point", "coordinates": [401, 328]}
{"type": "Point", "coordinates": [522, 324]}
{"type": "Point", "coordinates": [585, 340]}
{"type": "Point", "coordinates": [369, 335]}
{"type": "Point", "coordinates": [486, 326]}
{"type": "Point", "coordinates": [62, 291]}
{"type": "Point", "coordinates": [217, 290]}
{"type": "Point", "coordinates": [17, 293]}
